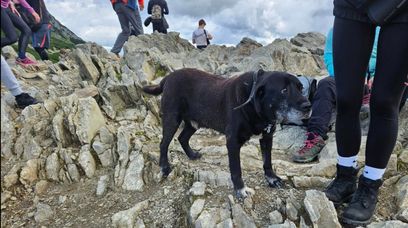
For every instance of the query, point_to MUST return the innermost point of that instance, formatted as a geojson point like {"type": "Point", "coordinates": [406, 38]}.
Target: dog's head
{"type": "Point", "coordinates": [278, 98]}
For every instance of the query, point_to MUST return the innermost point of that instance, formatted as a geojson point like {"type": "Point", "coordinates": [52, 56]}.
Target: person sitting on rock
{"type": "Point", "coordinates": [324, 106]}
{"type": "Point", "coordinates": [10, 20]}
{"type": "Point", "coordinates": [200, 36]}
{"type": "Point", "coordinates": [40, 31]}
{"type": "Point", "coordinates": [157, 9]}
{"type": "Point", "coordinates": [7, 77]}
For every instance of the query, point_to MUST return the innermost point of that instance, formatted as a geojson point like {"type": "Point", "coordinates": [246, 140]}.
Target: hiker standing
{"type": "Point", "coordinates": [324, 105]}
{"type": "Point", "coordinates": [157, 9]}
{"type": "Point", "coordinates": [128, 13]}
{"type": "Point", "coordinates": [200, 36]}
{"type": "Point", "coordinates": [10, 19]}
{"type": "Point", "coordinates": [353, 37]}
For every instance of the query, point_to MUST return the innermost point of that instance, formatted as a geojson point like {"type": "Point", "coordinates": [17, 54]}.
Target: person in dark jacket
{"type": "Point", "coordinates": [353, 37]}
{"type": "Point", "coordinates": [157, 9]}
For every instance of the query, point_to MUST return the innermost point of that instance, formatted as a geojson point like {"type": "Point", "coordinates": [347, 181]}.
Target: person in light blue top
{"type": "Point", "coordinates": [324, 105]}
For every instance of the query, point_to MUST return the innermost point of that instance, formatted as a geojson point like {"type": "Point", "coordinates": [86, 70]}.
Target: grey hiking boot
{"type": "Point", "coordinates": [312, 146]}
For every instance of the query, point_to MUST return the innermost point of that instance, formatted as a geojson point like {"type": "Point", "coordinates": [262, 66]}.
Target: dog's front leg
{"type": "Point", "coordinates": [235, 168]}
{"type": "Point", "coordinates": [266, 148]}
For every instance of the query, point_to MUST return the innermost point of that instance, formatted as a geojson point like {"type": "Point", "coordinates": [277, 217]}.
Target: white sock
{"type": "Point", "coordinates": [373, 173]}
{"type": "Point", "coordinates": [347, 161]}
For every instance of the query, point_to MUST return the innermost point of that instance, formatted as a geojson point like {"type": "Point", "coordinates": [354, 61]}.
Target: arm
{"type": "Point", "coordinates": [165, 8]}
{"type": "Point", "coordinates": [24, 4]}
{"type": "Point", "coordinates": [328, 53]}
{"type": "Point", "coordinates": [141, 4]}
{"type": "Point", "coordinates": [193, 39]}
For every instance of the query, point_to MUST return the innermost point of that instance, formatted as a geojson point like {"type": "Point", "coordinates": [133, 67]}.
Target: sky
{"type": "Point", "coordinates": [227, 20]}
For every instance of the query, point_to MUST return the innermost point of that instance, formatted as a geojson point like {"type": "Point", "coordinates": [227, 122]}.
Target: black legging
{"type": "Point", "coordinates": [10, 21]}
{"type": "Point", "coordinates": [352, 44]}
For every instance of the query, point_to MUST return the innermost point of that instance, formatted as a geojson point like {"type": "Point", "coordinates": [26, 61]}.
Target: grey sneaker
{"type": "Point", "coordinates": [311, 148]}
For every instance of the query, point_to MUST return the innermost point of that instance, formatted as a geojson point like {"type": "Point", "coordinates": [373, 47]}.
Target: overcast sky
{"type": "Point", "coordinates": [228, 20]}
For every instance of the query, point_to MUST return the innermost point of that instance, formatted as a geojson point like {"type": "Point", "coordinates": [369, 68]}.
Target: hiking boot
{"type": "Point", "coordinates": [362, 205]}
{"type": "Point", "coordinates": [365, 107]}
{"type": "Point", "coordinates": [341, 189]}
{"type": "Point", "coordinates": [23, 100]}
{"type": "Point", "coordinates": [25, 62]}
{"type": "Point", "coordinates": [312, 146]}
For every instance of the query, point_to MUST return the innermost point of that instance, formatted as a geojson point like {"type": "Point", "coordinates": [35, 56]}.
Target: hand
{"type": "Point", "coordinates": [13, 9]}
{"type": "Point", "coordinates": [141, 7]}
{"type": "Point", "coordinates": [36, 17]}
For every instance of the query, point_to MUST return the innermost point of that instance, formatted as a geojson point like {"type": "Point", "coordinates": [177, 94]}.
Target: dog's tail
{"type": "Point", "coordinates": [155, 89]}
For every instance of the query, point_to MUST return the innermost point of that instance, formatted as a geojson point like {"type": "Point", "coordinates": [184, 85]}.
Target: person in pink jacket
{"type": "Point", "coordinates": [10, 19]}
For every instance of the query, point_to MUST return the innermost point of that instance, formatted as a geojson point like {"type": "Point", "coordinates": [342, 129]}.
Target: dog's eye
{"type": "Point", "coordinates": [284, 91]}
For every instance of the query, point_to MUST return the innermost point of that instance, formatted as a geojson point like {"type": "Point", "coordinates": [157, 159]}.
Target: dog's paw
{"type": "Point", "coordinates": [165, 171]}
{"type": "Point", "coordinates": [244, 192]}
{"type": "Point", "coordinates": [194, 156]}
{"type": "Point", "coordinates": [274, 182]}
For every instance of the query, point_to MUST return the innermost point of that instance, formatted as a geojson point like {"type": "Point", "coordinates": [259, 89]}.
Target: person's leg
{"type": "Point", "coordinates": [156, 26]}
{"type": "Point", "coordinates": [124, 24]}
{"type": "Point", "coordinates": [8, 78]}
{"type": "Point", "coordinates": [351, 54]}
{"type": "Point", "coordinates": [323, 106]}
{"type": "Point", "coordinates": [10, 35]}
{"type": "Point", "coordinates": [134, 18]}
{"type": "Point", "coordinates": [42, 52]}
{"type": "Point", "coordinates": [387, 91]}
{"type": "Point", "coordinates": [25, 34]}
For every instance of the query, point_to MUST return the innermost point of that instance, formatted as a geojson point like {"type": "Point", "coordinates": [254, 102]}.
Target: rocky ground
{"type": "Point", "coordinates": [88, 155]}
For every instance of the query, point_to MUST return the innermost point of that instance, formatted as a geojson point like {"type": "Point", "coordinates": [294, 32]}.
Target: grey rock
{"type": "Point", "coordinates": [102, 185]}
{"type": "Point", "coordinates": [217, 178]}
{"type": "Point", "coordinates": [127, 218]}
{"type": "Point", "coordinates": [325, 168]}
{"type": "Point", "coordinates": [133, 179]}
{"type": "Point", "coordinates": [310, 182]}
{"type": "Point", "coordinates": [8, 52]}
{"type": "Point", "coordinates": [87, 161]}
{"type": "Point", "coordinates": [8, 131]}
{"type": "Point", "coordinates": [206, 219]}
{"type": "Point", "coordinates": [403, 215]}
{"type": "Point", "coordinates": [52, 167]}
{"type": "Point", "coordinates": [302, 223]}
{"type": "Point", "coordinates": [88, 119]}
{"type": "Point", "coordinates": [225, 224]}
{"type": "Point", "coordinates": [240, 218]}
{"type": "Point", "coordinates": [403, 157]}
{"type": "Point", "coordinates": [43, 213]}
{"type": "Point", "coordinates": [402, 193]}
{"type": "Point", "coordinates": [286, 224]}
{"type": "Point", "coordinates": [73, 172]}
{"type": "Point", "coordinates": [314, 42]}
{"type": "Point", "coordinates": [29, 173]}
{"type": "Point", "coordinates": [388, 224]}
{"type": "Point", "coordinates": [291, 211]}
{"type": "Point", "coordinates": [321, 211]}
{"type": "Point", "coordinates": [198, 189]}
{"type": "Point", "coordinates": [196, 210]}
{"type": "Point", "coordinates": [275, 217]}
{"type": "Point", "coordinates": [87, 68]}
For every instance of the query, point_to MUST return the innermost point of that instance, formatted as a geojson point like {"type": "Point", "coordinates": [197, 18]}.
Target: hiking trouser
{"type": "Point", "coordinates": [42, 52]}
{"type": "Point", "coordinates": [126, 15]}
{"type": "Point", "coordinates": [352, 45]}
{"type": "Point", "coordinates": [159, 26]}
{"type": "Point", "coordinates": [323, 107]}
{"type": "Point", "coordinates": [8, 78]}
{"type": "Point", "coordinates": [10, 21]}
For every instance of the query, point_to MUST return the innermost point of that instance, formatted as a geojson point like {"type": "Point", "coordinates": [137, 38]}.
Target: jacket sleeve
{"type": "Point", "coordinates": [27, 6]}
{"type": "Point", "coordinates": [373, 58]}
{"type": "Point", "coordinates": [149, 7]}
{"type": "Point", "coordinates": [165, 8]}
{"type": "Point", "coordinates": [328, 53]}
{"type": "Point", "coordinates": [141, 2]}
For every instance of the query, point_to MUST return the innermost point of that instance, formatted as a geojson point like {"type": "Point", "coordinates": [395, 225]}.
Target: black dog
{"type": "Point", "coordinates": [241, 106]}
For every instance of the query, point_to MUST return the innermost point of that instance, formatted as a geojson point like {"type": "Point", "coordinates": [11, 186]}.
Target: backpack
{"type": "Point", "coordinates": [309, 86]}
{"type": "Point", "coordinates": [156, 12]}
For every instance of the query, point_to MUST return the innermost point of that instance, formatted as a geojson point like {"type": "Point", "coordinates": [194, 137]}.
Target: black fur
{"type": "Point", "coordinates": [191, 95]}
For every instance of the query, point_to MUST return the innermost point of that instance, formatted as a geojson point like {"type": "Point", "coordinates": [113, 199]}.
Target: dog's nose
{"type": "Point", "coordinates": [306, 106]}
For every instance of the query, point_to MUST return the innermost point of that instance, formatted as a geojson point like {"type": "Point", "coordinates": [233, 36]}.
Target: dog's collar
{"type": "Point", "coordinates": [252, 94]}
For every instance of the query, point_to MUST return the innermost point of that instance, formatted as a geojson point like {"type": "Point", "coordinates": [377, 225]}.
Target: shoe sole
{"type": "Point", "coordinates": [306, 160]}
{"type": "Point", "coordinates": [354, 222]}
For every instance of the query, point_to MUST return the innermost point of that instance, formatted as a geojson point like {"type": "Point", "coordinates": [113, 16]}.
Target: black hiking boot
{"type": "Point", "coordinates": [341, 189]}
{"type": "Point", "coordinates": [362, 205]}
{"type": "Point", "coordinates": [23, 100]}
